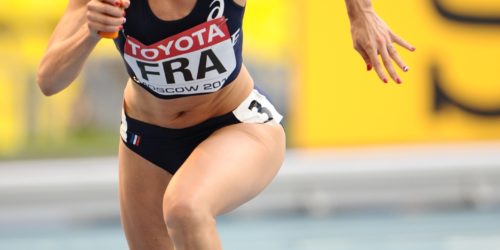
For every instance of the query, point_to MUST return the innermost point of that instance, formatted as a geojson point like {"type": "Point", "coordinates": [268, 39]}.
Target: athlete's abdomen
{"type": "Point", "coordinates": [187, 111]}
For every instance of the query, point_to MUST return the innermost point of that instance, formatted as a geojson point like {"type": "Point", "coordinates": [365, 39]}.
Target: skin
{"type": "Point", "coordinates": [372, 37]}
{"type": "Point", "coordinates": [161, 211]}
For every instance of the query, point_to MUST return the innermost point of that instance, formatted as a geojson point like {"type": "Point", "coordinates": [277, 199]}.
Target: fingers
{"type": "Point", "coordinates": [402, 42]}
{"type": "Point", "coordinates": [111, 2]}
{"type": "Point", "coordinates": [365, 57]}
{"type": "Point", "coordinates": [124, 4]}
{"type": "Point", "coordinates": [117, 3]}
{"type": "Point", "coordinates": [104, 23]}
{"type": "Point", "coordinates": [372, 53]}
{"type": "Point", "coordinates": [372, 37]}
{"type": "Point", "coordinates": [393, 53]}
{"type": "Point", "coordinates": [395, 56]}
{"type": "Point", "coordinates": [105, 16]}
{"type": "Point", "coordinates": [105, 9]}
{"type": "Point", "coordinates": [386, 59]}
{"type": "Point", "coordinates": [383, 47]}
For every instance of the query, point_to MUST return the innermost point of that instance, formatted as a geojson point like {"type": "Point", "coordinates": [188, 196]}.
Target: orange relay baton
{"type": "Point", "coordinates": [110, 35]}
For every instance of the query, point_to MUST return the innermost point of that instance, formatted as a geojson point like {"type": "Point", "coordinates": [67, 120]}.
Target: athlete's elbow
{"type": "Point", "coordinates": [47, 91]}
{"type": "Point", "coordinates": [45, 83]}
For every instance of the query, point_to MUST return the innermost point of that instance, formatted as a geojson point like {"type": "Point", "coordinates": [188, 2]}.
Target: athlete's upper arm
{"type": "Point", "coordinates": [72, 20]}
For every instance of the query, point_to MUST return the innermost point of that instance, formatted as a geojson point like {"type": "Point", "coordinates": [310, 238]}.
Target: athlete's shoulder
{"type": "Point", "coordinates": [241, 3]}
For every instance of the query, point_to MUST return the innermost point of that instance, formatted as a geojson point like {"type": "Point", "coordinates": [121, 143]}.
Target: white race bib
{"type": "Point", "coordinates": [198, 60]}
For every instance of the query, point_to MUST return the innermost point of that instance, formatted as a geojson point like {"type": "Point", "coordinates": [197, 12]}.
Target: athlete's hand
{"type": "Point", "coordinates": [372, 37]}
{"type": "Point", "coordinates": [106, 15]}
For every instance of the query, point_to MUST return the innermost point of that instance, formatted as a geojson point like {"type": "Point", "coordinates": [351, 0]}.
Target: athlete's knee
{"type": "Point", "coordinates": [186, 213]}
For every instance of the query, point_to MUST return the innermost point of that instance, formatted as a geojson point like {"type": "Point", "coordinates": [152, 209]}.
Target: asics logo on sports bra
{"type": "Point", "coordinates": [217, 9]}
{"type": "Point", "coordinates": [198, 60]}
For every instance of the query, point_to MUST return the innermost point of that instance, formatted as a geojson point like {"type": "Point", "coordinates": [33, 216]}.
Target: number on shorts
{"type": "Point", "coordinates": [261, 110]}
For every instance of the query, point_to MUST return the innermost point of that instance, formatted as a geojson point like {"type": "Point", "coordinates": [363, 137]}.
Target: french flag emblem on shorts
{"type": "Point", "coordinates": [135, 139]}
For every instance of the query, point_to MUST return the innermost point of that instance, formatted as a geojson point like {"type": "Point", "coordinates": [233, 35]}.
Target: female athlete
{"type": "Point", "coordinates": [197, 140]}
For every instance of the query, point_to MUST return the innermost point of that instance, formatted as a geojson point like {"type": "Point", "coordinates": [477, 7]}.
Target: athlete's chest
{"type": "Point", "coordinates": [170, 10]}
{"type": "Point", "coordinates": [192, 55]}
{"type": "Point", "coordinates": [200, 53]}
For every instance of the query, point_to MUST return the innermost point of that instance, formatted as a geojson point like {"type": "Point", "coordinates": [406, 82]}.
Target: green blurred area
{"type": "Point", "coordinates": [79, 143]}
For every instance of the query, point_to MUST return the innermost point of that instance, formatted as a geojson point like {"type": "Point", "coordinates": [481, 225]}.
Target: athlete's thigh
{"type": "Point", "coordinates": [230, 167]}
{"type": "Point", "coordinates": [142, 185]}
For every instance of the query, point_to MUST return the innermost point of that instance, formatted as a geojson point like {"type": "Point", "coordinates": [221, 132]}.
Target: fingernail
{"type": "Point", "coordinates": [124, 20]}
{"type": "Point", "coordinates": [405, 68]}
{"type": "Point", "coordinates": [368, 67]}
{"type": "Point", "coordinates": [123, 13]}
{"type": "Point", "coordinates": [385, 80]}
{"type": "Point", "coordinates": [398, 81]}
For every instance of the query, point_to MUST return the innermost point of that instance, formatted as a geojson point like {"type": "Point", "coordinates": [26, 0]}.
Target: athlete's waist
{"type": "Point", "coordinates": [186, 111]}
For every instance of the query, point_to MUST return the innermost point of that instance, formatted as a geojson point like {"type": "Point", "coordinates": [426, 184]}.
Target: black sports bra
{"type": "Point", "coordinates": [198, 54]}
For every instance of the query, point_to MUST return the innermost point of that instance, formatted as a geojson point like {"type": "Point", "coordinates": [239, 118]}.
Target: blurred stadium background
{"type": "Point", "coordinates": [369, 166]}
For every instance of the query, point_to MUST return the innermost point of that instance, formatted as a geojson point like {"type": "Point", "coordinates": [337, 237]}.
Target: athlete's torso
{"type": "Point", "coordinates": [194, 57]}
{"type": "Point", "coordinates": [198, 53]}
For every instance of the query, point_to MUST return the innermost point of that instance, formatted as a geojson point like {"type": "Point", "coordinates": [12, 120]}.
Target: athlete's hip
{"type": "Point", "coordinates": [170, 147]}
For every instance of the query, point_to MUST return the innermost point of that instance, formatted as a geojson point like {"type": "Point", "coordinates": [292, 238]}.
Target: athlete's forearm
{"type": "Point", "coordinates": [357, 8]}
{"type": "Point", "coordinates": [64, 60]}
